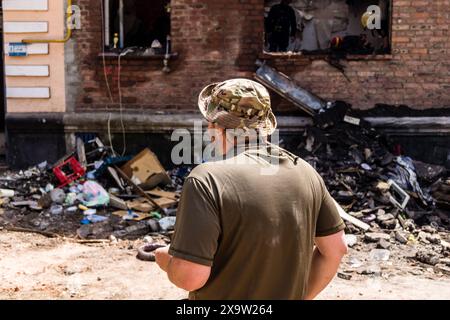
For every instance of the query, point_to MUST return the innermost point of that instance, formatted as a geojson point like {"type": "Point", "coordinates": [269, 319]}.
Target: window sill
{"type": "Point", "coordinates": [302, 56]}
{"type": "Point", "coordinates": [115, 55]}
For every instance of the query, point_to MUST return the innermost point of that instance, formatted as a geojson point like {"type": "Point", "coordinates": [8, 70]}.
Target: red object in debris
{"type": "Point", "coordinates": [64, 177]}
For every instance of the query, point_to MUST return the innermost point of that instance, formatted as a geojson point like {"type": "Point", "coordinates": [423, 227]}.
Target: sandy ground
{"type": "Point", "coordinates": [36, 267]}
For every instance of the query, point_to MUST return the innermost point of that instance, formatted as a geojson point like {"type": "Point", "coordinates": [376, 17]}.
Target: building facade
{"type": "Point", "coordinates": [90, 82]}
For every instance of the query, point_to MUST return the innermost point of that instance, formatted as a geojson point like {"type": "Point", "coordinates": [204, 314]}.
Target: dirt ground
{"type": "Point", "coordinates": [35, 267]}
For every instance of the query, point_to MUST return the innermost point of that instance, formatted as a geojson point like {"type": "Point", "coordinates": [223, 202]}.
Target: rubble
{"type": "Point", "coordinates": [376, 236]}
{"type": "Point", "coordinates": [344, 276]}
{"type": "Point", "coordinates": [383, 244]}
{"type": "Point", "coordinates": [71, 197]}
{"type": "Point", "coordinates": [445, 261]}
{"type": "Point", "coordinates": [405, 203]}
{"type": "Point", "coordinates": [442, 269]}
{"type": "Point", "coordinates": [427, 257]}
{"type": "Point", "coordinates": [394, 207]}
{"type": "Point", "coordinates": [445, 245]}
{"type": "Point", "coordinates": [372, 271]}
{"type": "Point", "coordinates": [351, 240]}
{"type": "Point", "coordinates": [401, 237]}
{"type": "Point", "coordinates": [5, 193]}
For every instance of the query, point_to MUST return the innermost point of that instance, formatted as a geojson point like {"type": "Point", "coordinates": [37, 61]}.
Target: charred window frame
{"type": "Point", "coordinates": [323, 28]}
{"type": "Point", "coordinates": [142, 25]}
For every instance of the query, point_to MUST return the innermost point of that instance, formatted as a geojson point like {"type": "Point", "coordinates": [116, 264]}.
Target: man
{"type": "Point", "coordinates": [281, 26]}
{"type": "Point", "coordinates": [245, 233]}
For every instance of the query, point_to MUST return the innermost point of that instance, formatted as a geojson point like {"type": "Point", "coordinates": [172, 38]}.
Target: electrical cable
{"type": "Point", "coordinates": [124, 145]}
{"type": "Point", "coordinates": [106, 76]}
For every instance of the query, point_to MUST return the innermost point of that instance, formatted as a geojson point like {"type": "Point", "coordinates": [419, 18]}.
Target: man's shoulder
{"type": "Point", "coordinates": [205, 170]}
{"type": "Point", "coordinates": [307, 168]}
{"type": "Point", "coordinates": [218, 169]}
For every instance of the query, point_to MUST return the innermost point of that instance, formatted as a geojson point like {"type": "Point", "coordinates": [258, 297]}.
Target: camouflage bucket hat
{"type": "Point", "coordinates": [238, 104]}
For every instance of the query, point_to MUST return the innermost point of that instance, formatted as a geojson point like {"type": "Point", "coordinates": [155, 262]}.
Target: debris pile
{"type": "Point", "coordinates": [390, 201]}
{"type": "Point", "coordinates": [94, 193]}
{"type": "Point", "coordinates": [402, 201]}
{"type": "Point", "coordinates": [389, 197]}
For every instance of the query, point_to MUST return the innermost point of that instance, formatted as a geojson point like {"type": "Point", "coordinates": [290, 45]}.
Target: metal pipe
{"type": "Point", "coordinates": [68, 26]}
{"type": "Point", "coordinates": [121, 28]}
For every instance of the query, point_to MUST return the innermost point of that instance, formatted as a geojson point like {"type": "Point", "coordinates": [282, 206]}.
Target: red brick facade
{"type": "Point", "coordinates": [218, 39]}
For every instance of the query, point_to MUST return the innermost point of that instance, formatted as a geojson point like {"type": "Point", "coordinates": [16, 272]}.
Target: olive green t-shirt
{"type": "Point", "coordinates": [253, 226]}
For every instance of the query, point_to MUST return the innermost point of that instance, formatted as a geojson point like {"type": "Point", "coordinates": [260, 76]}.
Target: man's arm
{"type": "Point", "coordinates": [194, 244]}
{"type": "Point", "coordinates": [182, 273]}
{"type": "Point", "coordinates": [326, 259]}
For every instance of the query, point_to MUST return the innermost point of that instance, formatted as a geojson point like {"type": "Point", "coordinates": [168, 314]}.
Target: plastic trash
{"type": "Point", "coordinates": [114, 191]}
{"type": "Point", "coordinates": [68, 171]}
{"type": "Point", "coordinates": [379, 255]}
{"type": "Point", "coordinates": [58, 195]}
{"type": "Point", "coordinates": [93, 219]}
{"type": "Point", "coordinates": [56, 209]}
{"type": "Point", "coordinates": [74, 189]}
{"type": "Point", "coordinates": [80, 197]}
{"type": "Point", "coordinates": [90, 212]}
{"type": "Point", "coordinates": [405, 176]}
{"type": "Point", "coordinates": [156, 215]}
{"type": "Point", "coordinates": [70, 199]}
{"type": "Point", "coordinates": [49, 187]}
{"type": "Point", "coordinates": [82, 208]}
{"type": "Point", "coordinates": [167, 223]}
{"type": "Point", "coordinates": [130, 215]}
{"type": "Point", "coordinates": [42, 166]}
{"type": "Point", "coordinates": [72, 210]}
{"type": "Point", "coordinates": [91, 175]}
{"type": "Point", "coordinates": [96, 218]}
{"type": "Point", "coordinates": [94, 195]}
{"type": "Point", "coordinates": [355, 262]}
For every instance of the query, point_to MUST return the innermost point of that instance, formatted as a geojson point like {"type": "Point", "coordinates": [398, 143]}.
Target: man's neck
{"type": "Point", "coordinates": [235, 149]}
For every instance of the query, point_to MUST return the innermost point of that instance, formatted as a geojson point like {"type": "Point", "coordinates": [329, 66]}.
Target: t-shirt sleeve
{"type": "Point", "coordinates": [329, 220]}
{"type": "Point", "coordinates": [197, 228]}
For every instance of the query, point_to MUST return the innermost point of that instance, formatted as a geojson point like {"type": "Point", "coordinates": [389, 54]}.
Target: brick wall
{"type": "Point", "coordinates": [218, 39]}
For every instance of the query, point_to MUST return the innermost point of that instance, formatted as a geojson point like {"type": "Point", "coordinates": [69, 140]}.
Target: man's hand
{"type": "Point", "coordinates": [184, 274]}
{"type": "Point", "coordinates": [163, 258]}
{"type": "Point", "coordinates": [326, 259]}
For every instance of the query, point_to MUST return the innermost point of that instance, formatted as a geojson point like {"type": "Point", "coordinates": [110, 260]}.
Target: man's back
{"type": "Point", "coordinates": [256, 230]}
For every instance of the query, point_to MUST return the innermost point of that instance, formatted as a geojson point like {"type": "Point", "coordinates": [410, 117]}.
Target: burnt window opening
{"type": "Point", "coordinates": [141, 25]}
{"type": "Point", "coordinates": [326, 26]}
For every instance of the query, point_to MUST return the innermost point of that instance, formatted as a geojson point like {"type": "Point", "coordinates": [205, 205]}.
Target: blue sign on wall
{"type": "Point", "coordinates": [17, 49]}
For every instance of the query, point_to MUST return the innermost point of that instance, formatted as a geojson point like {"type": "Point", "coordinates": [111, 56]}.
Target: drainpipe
{"type": "Point", "coordinates": [107, 31]}
{"type": "Point", "coordinates": [121, 28]}
{"type": "Point", "coordinates": [69, 29]}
